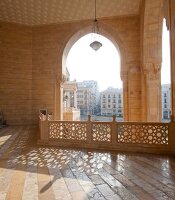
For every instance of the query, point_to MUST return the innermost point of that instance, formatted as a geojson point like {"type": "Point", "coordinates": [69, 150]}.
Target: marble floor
{"type": "Point", "coordinates": [31, 172]}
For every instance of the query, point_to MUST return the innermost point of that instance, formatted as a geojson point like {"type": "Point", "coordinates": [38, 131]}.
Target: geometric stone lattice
{"type": "Point", "coordinates": [143, 133]}
{"type": "Point", "coordinates": [101, 132]}
{"type": "Point", "coordinates": [68, 130]}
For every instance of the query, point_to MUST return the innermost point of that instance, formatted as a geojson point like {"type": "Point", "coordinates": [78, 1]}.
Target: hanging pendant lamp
{"type": "Point", "coordinates": [95, 45]}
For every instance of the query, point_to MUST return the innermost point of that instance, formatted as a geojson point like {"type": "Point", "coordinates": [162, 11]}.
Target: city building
{"type": "Point", "coordinates": [88, 97]}
{"type": "Point", "coordinates": [85, 101]}
{"type": "Point", "coordinates": [166, 101]}
{"type": "Point", "coordinates": [112, 102]}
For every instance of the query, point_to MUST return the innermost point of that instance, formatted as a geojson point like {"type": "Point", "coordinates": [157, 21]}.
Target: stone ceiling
{"type": "Point", "coordinates": [37, 12]}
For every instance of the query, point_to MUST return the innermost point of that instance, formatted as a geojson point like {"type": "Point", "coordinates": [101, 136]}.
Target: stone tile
{"type": "Point", "coordinates": [31, 172]}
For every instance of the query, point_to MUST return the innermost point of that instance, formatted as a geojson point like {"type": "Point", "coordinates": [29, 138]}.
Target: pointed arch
{"type": "Point", "coordinates": [105, 31]}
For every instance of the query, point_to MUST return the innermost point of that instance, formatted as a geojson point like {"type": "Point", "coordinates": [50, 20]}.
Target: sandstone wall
{"type": "Point", "coordinates": [16, 73]}
{"type": "Point", "coordinates": [31, 65]}
{"type": "Point", "coordinates": [48, 47]}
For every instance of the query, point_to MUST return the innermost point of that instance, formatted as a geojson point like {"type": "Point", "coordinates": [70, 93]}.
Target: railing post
{"type": "Point", "coordinates": [114, 131]}
{"type": "Point", "coordinates": [44, 131]}
{"type": "Point", "coordinates": [89, 128]}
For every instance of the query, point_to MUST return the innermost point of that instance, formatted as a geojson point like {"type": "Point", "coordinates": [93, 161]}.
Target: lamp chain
{"type": "Point", "coordinates": [95, 11]}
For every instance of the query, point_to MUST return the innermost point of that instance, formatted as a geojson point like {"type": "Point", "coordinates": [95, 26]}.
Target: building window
{"type": "Point", "coordinates": [109, 106]}
{"type": "Point", "coordinates": [165, 114]}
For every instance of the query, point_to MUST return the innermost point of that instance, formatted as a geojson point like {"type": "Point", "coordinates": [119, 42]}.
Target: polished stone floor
{"type": "Point", "coordinates": [31, 172]}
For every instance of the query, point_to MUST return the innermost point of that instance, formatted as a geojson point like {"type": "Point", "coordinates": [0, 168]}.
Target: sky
{"type": "Point", "coordinates": [165, 71]}
{"type": "Point", "coordinates": [103, 65]}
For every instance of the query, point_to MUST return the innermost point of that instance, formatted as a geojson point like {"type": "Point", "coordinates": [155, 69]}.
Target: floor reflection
{"type": "Point", "coordinates": [97, 175]}
{"type": "Point", "coordinates": [58, 158]}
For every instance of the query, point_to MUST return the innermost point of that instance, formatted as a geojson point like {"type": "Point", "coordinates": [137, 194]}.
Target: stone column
{"type": "Point", "coordinates": [153, 92]}
{"type": "Point", "coordinates": [75, 99]}
{"type": "Point", "coordinates": [143, 97]}
{"type": "Point", "coordinates": [172, 47]}
{"type": "Point", "coordinates": [151, 59]}
{"type": "Point", "coordinates": [134, 92]}
{"type": "Point", "coordinates": [58, 111]}
{"type": "Point", "coordinates": [124, 78]}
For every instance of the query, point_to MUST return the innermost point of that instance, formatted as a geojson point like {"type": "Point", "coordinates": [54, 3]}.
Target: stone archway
{"type": "Point", "coordinates": [76, 36]}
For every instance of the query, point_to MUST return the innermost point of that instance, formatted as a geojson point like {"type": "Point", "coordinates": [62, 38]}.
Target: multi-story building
{"type": "Point", "coordinates": [88, 97]}
{"type": "Point", "coordinates": [166, 99]}
{"type": "Point", "coordinates": [112, 102]}
{"type": "Point", "coordinates": [85, 100]}
{"type": "Point", "coordinates": [89, 83]}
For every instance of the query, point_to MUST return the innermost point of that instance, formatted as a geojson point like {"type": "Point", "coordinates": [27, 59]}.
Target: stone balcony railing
{"type": "Point", "coordinates": [120, 136]}
{"type": "Point", "coordinates": [70, 109]}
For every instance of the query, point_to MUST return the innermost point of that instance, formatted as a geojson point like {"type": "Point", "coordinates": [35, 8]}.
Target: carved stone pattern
{"type": "Point", "coordinates": [68, 130]}
{"type": "Point", "coordinates": [101, 132]}
{"type": "Point", "coordinates": [36, 12]}
{"type": "Point", "coordinates": [152, 70]}
{"type": "Point", "coordinates": [143, 134]}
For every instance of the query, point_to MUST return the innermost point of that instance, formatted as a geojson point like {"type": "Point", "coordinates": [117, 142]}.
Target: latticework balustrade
{"type": "Point", "coordinates": [68, 130]}
{"type": "Point", "coordinates": [142, 133]}
{"type": "Point", "coordinates": [101, 132]}
{"type": "Point", "coordinates": [136, 136]}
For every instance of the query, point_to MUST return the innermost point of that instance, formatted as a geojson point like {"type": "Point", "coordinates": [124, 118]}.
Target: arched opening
{"type": "Point", "coordinates": [96, 73]}
{"type": "Point", "coordinates": [165, 74]}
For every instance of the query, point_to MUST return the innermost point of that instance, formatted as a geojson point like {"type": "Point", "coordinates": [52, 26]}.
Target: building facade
{"type": "Point", "coordinates": [112, 102]}
{"type": "Point", "coordinates": [85, 100]}
{"type": "Point", "coordinates": [166, 101]}
{"type": "Point", "coordinates": [88, 97]}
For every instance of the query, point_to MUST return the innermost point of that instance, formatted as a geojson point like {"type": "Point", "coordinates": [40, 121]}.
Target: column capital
{"type": "Point", "coordinates": [152, 70]}
{"type": "Point", "coordinates": [60, 79]}
{"type": "Point", "coordinates": [124, 76]}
